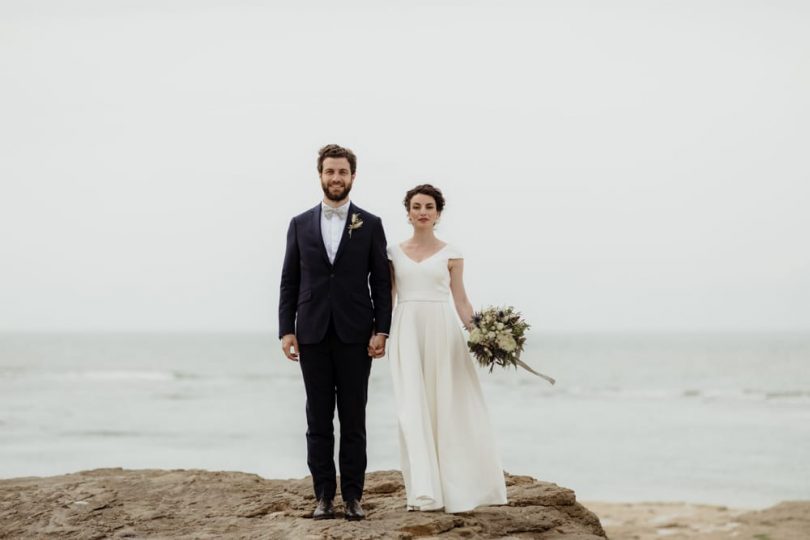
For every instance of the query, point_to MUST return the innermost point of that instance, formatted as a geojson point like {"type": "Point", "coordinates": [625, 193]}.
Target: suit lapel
{"type": "Point", "coordinates": [344, 238]}
{"type": "Point", "coordinates": [316, 228]}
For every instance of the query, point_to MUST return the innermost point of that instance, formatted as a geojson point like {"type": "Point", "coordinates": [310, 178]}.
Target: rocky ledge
{"type": "Point", "coordinates": [118, 503]}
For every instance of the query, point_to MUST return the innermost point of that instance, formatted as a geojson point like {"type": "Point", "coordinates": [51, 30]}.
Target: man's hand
{"type": "Point", "coordinates": [288, 342]}
{"type": "Point", "coordinates": [376, 346]}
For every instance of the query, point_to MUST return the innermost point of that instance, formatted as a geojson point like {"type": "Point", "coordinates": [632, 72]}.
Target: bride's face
{"type": "Point", "coordinates": [423, 213]}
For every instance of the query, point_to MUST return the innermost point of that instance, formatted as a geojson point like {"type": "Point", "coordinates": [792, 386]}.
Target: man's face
{"type": "Point", "coordinates": [336, 178]}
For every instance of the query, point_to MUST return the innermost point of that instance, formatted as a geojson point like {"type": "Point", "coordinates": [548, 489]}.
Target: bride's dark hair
{"type": "Point", "coordinates": [425, 189]}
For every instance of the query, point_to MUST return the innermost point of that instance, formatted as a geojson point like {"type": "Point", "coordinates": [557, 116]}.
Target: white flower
{"type": "Point", "coordinates": [507, 343]}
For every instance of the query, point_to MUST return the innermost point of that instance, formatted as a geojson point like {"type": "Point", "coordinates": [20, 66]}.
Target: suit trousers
{"type": "Point", "coordinates": [336, 372]}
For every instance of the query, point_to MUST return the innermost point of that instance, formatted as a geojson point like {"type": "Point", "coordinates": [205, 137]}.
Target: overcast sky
{"type": "Point", "coordinates": [608, 166]}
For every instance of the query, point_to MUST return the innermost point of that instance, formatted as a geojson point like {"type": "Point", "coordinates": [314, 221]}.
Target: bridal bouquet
{"type": "Point", "coordinates": [497, 336]}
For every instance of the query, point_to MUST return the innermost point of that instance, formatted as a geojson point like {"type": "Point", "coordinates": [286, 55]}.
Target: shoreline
{"type": "Point", "coordinates": [786, 520]}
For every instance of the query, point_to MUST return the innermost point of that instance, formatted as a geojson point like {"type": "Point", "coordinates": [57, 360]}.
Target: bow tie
{"type": "Point", "coordinates": [342, 212]}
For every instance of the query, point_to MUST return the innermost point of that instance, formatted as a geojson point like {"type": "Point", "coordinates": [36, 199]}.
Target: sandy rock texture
{"type": "Point", "coordinates": [117, 503]}
{"type": "Point", "coordinates": [684, 521]}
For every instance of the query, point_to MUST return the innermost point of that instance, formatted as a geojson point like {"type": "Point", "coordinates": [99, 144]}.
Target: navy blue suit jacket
{"type": "Point", "coordinates": [355, 291]}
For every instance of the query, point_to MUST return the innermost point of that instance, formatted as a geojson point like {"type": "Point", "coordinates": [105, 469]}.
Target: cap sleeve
{"type": "Point", "coordinates": [453, 252]}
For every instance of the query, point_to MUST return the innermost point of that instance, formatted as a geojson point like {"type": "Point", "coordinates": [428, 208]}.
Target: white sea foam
{"type": "Point", "coordinates": [117, 375]}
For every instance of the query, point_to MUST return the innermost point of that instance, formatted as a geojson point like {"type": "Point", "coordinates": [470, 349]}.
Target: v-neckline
{"type": "Point", "coordinates": [426, 258]}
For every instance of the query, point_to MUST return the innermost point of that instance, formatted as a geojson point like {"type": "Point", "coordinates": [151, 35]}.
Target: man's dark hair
{"type": "Point", "coordinates": [335, 151]}
{"type": "Point", "coordinates": [425, 189]}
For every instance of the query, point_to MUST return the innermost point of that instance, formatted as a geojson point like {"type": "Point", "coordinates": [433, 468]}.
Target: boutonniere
{"type": "Point", "coordinates": [355, 224]}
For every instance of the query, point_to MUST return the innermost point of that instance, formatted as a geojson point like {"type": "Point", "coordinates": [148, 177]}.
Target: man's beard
{"type": "Point", "coordinates": [340, 196]}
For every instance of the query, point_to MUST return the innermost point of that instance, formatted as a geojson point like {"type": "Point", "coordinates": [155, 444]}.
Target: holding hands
{"type": "Point", "coordinates": [376, 345]}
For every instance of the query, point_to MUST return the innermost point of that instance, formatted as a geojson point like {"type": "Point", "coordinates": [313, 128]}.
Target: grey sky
{"type": "Point", "coordinates": [622, 166]}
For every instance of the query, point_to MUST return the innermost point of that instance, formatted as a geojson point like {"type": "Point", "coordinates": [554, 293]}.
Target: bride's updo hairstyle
{"type": "Point", "coordinates": [425, 189]}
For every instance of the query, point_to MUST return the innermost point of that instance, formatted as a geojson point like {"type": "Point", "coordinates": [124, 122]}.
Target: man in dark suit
{"type": "Point", "coordinates": [334, 316]}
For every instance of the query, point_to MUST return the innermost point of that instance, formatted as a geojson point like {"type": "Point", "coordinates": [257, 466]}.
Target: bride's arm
{"type": "Point", "coordinates": [463, 306]}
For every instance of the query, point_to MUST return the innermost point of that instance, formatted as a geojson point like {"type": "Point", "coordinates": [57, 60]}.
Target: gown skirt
{"type": "Point", "coordinates": [447, 445]}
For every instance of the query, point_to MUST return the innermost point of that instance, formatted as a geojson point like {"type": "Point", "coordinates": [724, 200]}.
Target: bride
{"type": "Point", "coordinates": [447, 447]}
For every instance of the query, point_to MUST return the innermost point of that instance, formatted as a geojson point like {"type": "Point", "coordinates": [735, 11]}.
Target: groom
{"type": "Point", "coordinates": [334, 316]}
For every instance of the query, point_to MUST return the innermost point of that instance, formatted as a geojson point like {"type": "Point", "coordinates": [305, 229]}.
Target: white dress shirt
{"type": "Point", "coordinates": [332, 229]}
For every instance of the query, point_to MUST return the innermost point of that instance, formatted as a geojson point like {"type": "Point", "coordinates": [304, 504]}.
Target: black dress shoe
{"type": "Point", "coordinates": [354, 512]}
{"type": "Point", "coordinates": [324, 510]}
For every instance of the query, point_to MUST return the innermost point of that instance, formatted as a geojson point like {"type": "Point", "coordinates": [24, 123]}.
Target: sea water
{"type": "Point", "coordinates": [719, 419]}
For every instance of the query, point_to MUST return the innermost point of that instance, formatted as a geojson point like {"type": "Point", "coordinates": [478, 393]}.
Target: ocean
{"type": "Point", "coordinates": [721, 419]}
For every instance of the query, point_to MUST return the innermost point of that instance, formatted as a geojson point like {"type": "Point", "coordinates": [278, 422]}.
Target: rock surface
{"type": "Point", "coordinates": [117, 503]}
{"type": "Point", "coordinates": [789, 520]}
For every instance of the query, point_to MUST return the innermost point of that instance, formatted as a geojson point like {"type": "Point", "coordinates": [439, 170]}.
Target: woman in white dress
{"type": "Point", "coordinates": [447, 447]}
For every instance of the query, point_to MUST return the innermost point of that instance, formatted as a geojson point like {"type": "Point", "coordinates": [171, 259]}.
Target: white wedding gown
{"type": "Point", "coordinates": [447, 446]}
